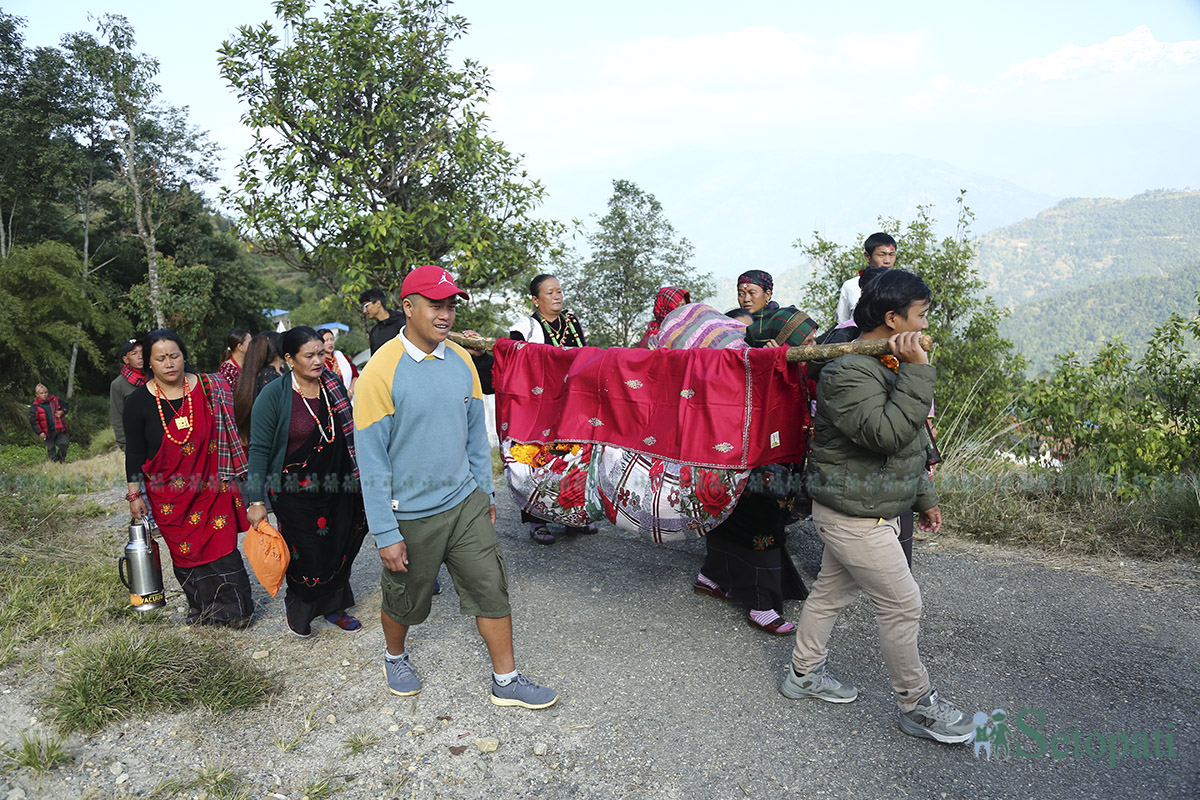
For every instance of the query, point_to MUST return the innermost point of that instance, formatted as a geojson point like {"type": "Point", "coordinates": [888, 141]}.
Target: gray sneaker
{"type": "Point", "coordinates": [401, 677]}
{"type": "Point", "coordinates": [935, 718]}
{"type": "Point", "coordinates": [819, 684]}
{"type": "Point", "coordinates": [524, 693]}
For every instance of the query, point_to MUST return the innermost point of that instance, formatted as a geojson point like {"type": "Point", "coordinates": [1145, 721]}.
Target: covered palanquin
{"type": "Point", "coordinates": [660, 442]}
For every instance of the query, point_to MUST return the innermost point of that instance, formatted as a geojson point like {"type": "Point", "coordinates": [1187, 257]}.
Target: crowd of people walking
{"type": "Point", "coordinates": [288, 426]}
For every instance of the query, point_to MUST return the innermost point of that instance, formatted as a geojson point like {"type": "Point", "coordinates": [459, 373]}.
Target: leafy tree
{"type": "Point", "coordinates": [160, 152]}
{"type": "Point", "coordinates": [203, 303]}
{"type": "Point", "coordinates": [634, 251]}
{"type": "Point", "coordinates": [978, 369]}
{"type": "Point", "coordinates": [371, 154]}
{"type": "Point", "coordinates": [36, 144]}
{"type": "Point", "coordinates": [41, 299]}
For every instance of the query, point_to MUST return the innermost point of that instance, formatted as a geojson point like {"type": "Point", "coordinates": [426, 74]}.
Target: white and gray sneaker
{"type": "Point", "coordinates": [819, 684]}
{"type": "Point", "coordinates": [524, 693]}
{"type": "Point", "coordinates": [938, 719]}
{"type": "Point", "coordinates": [401, 677]}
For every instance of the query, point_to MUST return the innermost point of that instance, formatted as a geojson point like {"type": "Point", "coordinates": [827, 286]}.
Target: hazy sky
{"type": "Point", "coordinates": [1064, 98]}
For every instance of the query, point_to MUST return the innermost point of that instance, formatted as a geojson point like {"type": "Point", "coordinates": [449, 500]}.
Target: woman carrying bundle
{"type": "Point", "coordinates": [302, 454]}
{"type": "Point", "coordinates": [747, 557]}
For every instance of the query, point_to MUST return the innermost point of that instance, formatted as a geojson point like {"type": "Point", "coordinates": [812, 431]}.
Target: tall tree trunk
{"type": "Point", "coordinates": [145, 223]}
{"type": "Point", "coordinates": [6, 233]}
{"type": "Point", "coordinates": [74, 357]}
{"type": "Point", "coordinates": [85, 211]}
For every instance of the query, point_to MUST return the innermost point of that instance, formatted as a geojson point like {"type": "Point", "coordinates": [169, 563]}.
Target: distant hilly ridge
{"type": "Point", "coordinates": [1085, 270]}
{"type": "Point", "coordinates": [1080, 321]}
{"type": "Point", "coordinates": [1084, 242]}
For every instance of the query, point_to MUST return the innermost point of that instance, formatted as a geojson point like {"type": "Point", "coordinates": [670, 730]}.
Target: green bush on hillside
{"type": "Point", "coordinates": [1136, 422]}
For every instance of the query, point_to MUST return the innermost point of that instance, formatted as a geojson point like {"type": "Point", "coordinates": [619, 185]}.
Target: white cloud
{"type": "Point", "coordinates": [722, 59]}
{"type": "Point", "coordinates": [871, 52]}
{"type": "Point", "coordinates": [766, 89]}
{"type": "Point", "coordinates": [1134, 50]}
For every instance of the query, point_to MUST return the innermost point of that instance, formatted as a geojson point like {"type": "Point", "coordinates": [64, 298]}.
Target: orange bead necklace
{"type": "Point", "coordinates": [184, 422]}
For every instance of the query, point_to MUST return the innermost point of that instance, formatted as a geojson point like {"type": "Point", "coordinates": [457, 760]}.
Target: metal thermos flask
{"type": "Point", "coordinates": [144, 580]}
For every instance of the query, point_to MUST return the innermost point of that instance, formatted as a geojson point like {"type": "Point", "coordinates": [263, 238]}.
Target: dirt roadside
{"type": "Point", "coordinates": [668, 694]}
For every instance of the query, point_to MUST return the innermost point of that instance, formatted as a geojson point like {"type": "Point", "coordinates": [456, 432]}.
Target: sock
{"type": "Point", "coordinates": [388, 655]}
{"type": "Point", "coordinates": [701, 578]}
{"type": "Point", "coordinates": [505, 679]}
{"type": "Point", "coordinates": [764, 617]}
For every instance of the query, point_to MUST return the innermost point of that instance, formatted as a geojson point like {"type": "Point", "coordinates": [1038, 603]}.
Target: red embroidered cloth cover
{"type": "Point", "coordinates": [726, 409]}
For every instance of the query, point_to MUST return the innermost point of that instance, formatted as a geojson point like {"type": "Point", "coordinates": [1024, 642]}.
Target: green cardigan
{"type": "Point", "coordinates": [270, 422]}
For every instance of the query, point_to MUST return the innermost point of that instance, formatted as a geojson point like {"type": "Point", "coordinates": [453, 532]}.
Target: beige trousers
{"type": "Point", "coordinates": [864, 553]}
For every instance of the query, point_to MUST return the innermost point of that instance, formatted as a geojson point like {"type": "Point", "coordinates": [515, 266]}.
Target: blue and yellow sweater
{"type": "Point", "coordinates": [421, 434]}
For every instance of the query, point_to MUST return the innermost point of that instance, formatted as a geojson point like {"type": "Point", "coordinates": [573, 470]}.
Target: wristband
{"type": "Point", "coordinates": [133, 496]}
{"type": "Point", "coordinates": [258, 503]}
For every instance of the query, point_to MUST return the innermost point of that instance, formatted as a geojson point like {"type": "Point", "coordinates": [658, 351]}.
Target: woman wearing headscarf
{"type": "Point", "coordinates": [667, 300]}
{"type": "Point", "coordinates": [548, 324]}
{"type": "Point", "coordinates": [182, 449]}
{"type": "Point", "coordinates": [747, 557]}
{"type": "Point", "coordinates": [302, 455]}
{"type": "Point", "coordinates": [773, 325]}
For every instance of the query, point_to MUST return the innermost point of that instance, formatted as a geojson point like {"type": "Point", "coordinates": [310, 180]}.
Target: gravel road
{"type": "Point", "coordinates": [668, 694]}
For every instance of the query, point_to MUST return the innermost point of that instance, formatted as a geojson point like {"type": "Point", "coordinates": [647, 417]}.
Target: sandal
{"type": "Point", "coordinates": [588, 529]}
{"type": "Point", "coordinates": [344, 621]}
{"type": "Point", "coordinates": [776, 627]}
{"type": "Point", "coordinates": [541, 534]}
{"type": "Point", "coordinates": [717, 592]}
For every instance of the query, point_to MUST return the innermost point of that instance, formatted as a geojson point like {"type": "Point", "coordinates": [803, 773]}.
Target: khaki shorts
{"type": "Point", "coordinates": [465, 541]}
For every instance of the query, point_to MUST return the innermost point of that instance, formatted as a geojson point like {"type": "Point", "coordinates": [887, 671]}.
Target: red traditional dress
{"type": "Point", "coordinates": [198, 513]}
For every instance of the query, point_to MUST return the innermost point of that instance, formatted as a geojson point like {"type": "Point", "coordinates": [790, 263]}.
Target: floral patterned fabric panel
{"type": "Point", "coordinates": [551, 480]}
{"type": "Point", "coordinates": [663, 501]}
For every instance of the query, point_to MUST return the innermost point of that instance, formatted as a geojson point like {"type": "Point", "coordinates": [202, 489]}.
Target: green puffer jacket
{"type": "Point", "coordinates": [867, 457]}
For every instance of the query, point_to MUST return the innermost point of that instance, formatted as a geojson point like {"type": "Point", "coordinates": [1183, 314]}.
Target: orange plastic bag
{"type": "Point", "coordinates": [268, 555]}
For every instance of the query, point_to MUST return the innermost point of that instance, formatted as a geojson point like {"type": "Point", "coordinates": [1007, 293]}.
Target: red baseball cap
{"type": "Point", "coordinates": [430, 280]}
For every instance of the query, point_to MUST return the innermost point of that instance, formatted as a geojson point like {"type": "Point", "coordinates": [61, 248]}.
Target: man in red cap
{"type": "Point", "coordinates": [426, 467]}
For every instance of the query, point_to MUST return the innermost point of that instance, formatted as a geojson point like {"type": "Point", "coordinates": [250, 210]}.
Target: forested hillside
{"type": "Point", "coordinates": [1081, 320]}
{"type": "Point", "coordinates": [1084, 242]}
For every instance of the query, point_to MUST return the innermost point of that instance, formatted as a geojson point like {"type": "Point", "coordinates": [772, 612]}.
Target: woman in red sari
{"type": "Point", "coordinates": [183, 451]}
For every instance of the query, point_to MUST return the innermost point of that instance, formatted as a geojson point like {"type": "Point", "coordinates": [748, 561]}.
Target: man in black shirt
{"type": "Point", "coordinates": [387, 323]}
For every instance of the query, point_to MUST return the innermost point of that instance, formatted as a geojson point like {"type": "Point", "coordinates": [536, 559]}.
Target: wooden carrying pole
{"type": "Point", "coordinates": [810, 352]}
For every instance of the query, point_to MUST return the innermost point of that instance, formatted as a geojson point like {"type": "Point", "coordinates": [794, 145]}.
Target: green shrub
{"type": "Point", "coordinates": [21, 455]}
{"type": "Point", "coordinates": [88, 417]}
{"type": "Point", "coordinates": [1136, 423]}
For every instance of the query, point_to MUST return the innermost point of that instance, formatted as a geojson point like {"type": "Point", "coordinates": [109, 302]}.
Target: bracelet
{"type": "Point", "coordinates": [258, 503]}
{"type": "Point", "coordinates": [133, 496]}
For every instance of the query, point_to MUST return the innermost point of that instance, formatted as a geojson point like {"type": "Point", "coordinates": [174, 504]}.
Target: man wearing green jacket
{"type": "Point", "coordinates": [866, 467]}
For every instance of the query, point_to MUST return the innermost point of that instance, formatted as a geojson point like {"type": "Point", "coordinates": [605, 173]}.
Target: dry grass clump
{"type": "Point", "coordinates": [988, 498]}
{"type": "Point", "coordinates": [216, 781]}
{"type": "Point", "coordinates": [138, 670]}
{"type": "Point", "coordinates": [56, 575]}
